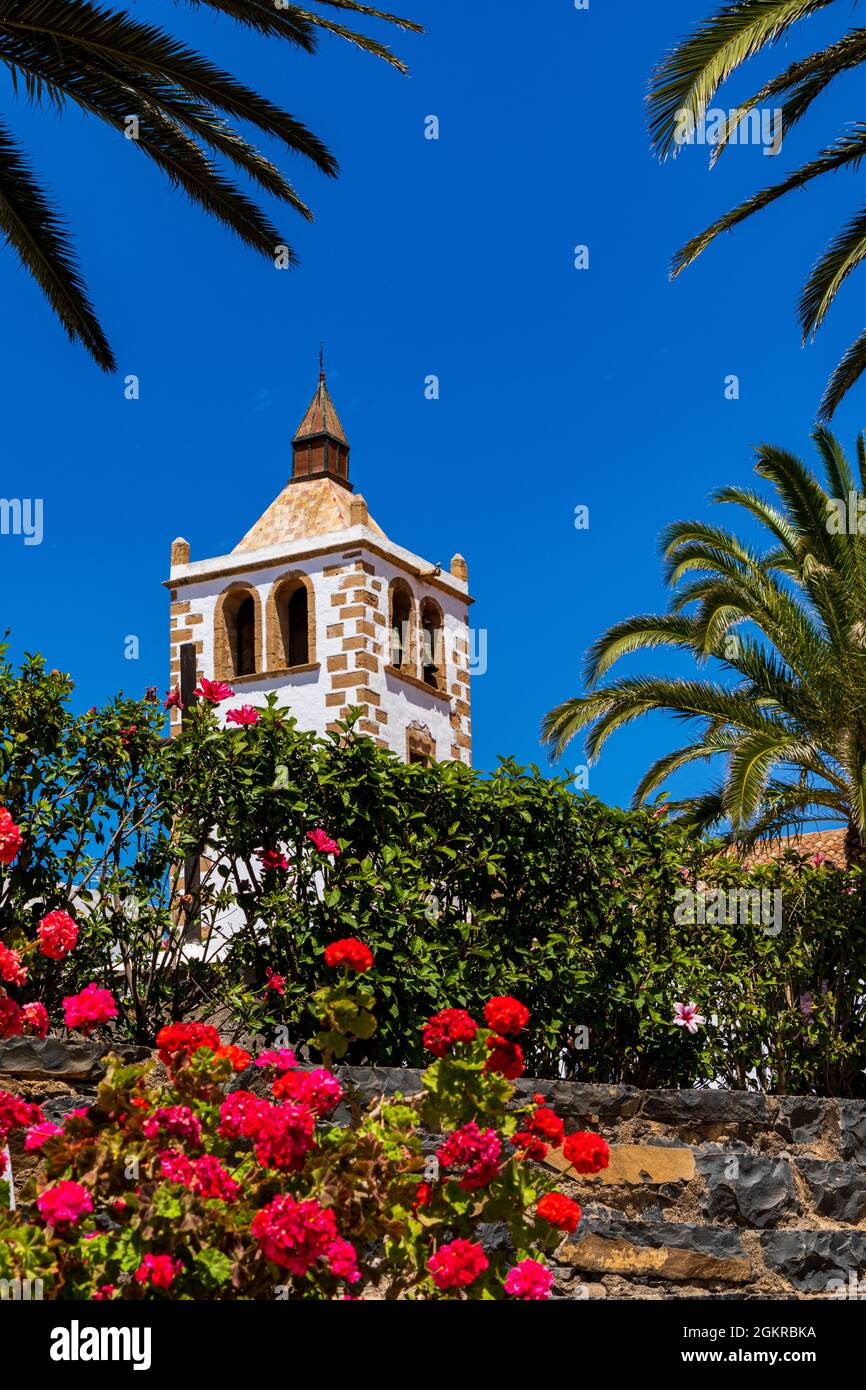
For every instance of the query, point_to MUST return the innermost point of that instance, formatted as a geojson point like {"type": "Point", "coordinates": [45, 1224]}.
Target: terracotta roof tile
{"type": "Point", "coordinates": [311, 507]}
{"type": "Point", "coordinates": [830, 843]}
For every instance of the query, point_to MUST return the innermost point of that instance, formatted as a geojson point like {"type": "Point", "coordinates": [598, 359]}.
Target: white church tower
{"type": "Point", "coordinates": [317, 604]}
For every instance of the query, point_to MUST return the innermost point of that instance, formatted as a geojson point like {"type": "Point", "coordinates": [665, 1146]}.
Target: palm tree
{"type": "Point", "coordinates": [680, 92]}
{"type": "Point", "coordinates": [786, 621]}
{"type": "Point", "coordinates": [176, 104]}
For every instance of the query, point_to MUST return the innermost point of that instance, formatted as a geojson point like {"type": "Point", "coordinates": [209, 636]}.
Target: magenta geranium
{"type": "Point", "coordinates": [89, 1008]}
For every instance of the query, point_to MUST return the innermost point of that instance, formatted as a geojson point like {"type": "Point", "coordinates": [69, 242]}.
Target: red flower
{"type": "Point", "coordinates": [34, 1019]}
{"type": "Point", "coordinates": [506, 1015]}
{"type": "Point", "coordinates": [446, 1028]}
{"type": "Point", "coordinates": [11, 969]}
{"type": "Point", "coordinates": [559, 1210]}
{"type": "Point", "coordinates": [10, 1017]}
{"type": "Point", "coordinates": [238, 1056]}
{"type": "Point", "coordinates": [351, 953]}
{"type": "Point", "coordinates": [295, 1235]}
{"type": "Point", "coordinates": [173, 700]}
{"type": "Point", "coordinates": [58, 934]}
{"type": "Point", "coordinates": [64, 1203]}
{"type": "Point", "coordinates": [177, 1041]}
{"type": "Point", "coordinates": [475, 1150]}
{"type": "Point", "coordinates": [586, 1152]}
{"type": "Point", "coordinates": [16, 1113]}
{"type": "Point", "coordinates": [324, 844]}
{"type": "Point", "coordinates": [10, 837]}
{"type": "Point", "coordinates": [90, 1007]}
{"type": "Point", "coordinates": [242, 1115]}
{"type": "Point", "coordinates": [213, 691]}
{"type": "Point", "coordinates": [530, 1147]}
{"type": "Point", "coordinates": [247, 714]}
{"type": "Point", "coordinates": [545, 1124]}
{"type": "Point", "coordinates": [318, 1089]}
{"type": "Point", "coordinates": [457, 1264]}
{"type": "Point", "coordinates": [286, 1133]}
{"type": "Point", "coordinates": [529, 1281]}
{"type": "Point", "coordinates": [423, 1196]}
{"type": "Point", "coordinates": [505, 1057]}
{"type": "Point", "coordinates": [275, 982]}
{"type": "Point", "coordinates": [273, 862]}
{"type": "Point", "coordinates": [159, 1271]}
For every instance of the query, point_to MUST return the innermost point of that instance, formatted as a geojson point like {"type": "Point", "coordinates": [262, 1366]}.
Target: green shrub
{"type": "Point", "coordinates": [464, 886]}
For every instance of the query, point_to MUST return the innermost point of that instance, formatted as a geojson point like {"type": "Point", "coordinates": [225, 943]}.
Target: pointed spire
{"type": "Point", "coordinates": [320, 446]}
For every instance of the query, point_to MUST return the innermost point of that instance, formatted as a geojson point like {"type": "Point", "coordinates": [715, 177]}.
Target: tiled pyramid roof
{"type": "Point", "coordinates": [321, 417]}
{"type": "Point", "coordinates": [311, 507]}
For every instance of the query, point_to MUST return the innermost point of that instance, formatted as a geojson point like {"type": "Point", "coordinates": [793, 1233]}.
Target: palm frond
{"type": "Point", "coordinates": [685, 82]}
{"type": "Point", "coordinates": [34, 230]}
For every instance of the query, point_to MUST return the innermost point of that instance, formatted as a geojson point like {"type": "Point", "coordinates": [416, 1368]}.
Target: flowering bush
{"type": "Point", "coordinates": [233, 1180]}
{"type": "Point", "coordinates": [465, 886]}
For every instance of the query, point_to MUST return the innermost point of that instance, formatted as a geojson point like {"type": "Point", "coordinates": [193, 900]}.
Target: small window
{"type": "Point", "coordinates": [245, 638]}
{"type": "Point", "coordinates": [299, 646]}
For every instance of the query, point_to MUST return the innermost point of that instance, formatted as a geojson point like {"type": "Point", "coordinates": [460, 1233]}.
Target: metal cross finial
{"type": "Point", "coordinates": [321, 361]}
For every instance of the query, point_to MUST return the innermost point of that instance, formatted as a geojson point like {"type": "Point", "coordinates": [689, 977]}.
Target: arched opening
{"type": "Point", "coordinates": [237, 634]}
{"type": "Point", "coordinates": [401, 626]}
{"type": "Point", "coordinates": [291, 617]}
{"type": "Point", "coordinates": [245, 638]}
{"type": "Point", "coordinates": [297, 621]}
{"type": "Point", "coordinates": [432, 645]}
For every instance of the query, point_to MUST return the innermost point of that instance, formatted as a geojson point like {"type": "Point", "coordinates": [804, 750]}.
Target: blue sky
{"type": "Point", "coordinates": [602, 387]}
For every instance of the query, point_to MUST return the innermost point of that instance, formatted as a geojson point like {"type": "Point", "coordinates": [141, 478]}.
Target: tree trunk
{"type": "Point", "coordinates": [855, 849]}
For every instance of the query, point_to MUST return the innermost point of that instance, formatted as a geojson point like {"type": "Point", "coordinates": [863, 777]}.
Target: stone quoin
{"type": "Point", "coordinates": [318, 605]}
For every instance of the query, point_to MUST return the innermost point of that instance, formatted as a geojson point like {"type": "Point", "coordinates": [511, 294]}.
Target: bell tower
{"type": "Point", "coordinates": [317, 604]}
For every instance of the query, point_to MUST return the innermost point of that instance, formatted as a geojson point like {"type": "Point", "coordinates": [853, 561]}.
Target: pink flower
{"type": "Point", "coordinates": [90, 1007]}
{"type": "Point", "coordinates": [275, 982]}
{"type": "Point", "coordinates": [213, 691]}
{"type": "Point", "coordinates": [281, 1060]}
{"type": "Point", "coordinates": [34, 1019]}
{"type": "Point", "coordinates": [247, 714]}
{"type": "Point", "coordinates": [342, 1261]}
{"type": "Point", "coordinates": [176, 1120]}
{"type": "Point", "coordinates": [35, 1137]}
{"type": "Point", "coordinates": [64, 1203]}
{"type": "Point", "coordinates": [324, 844]}
{"type": "Point", "coordinates": [173, 700]}
{"type": "Point", "coordinates": [159, 1271]}
{"type": "Point", "coordinates": [529, 1281]}
{"type": "Point", "coordinates": [476, 1151]}
{"type": "Point", "coordinates": [11, 969]}
{"type": "Point", "coordinates": [687, 1016]}
{"type": "Point", "coordinates": [57, 935]}
{"type": "Point", "coordinates": [817, 860]}
{"type": "Point", "coordinates": [10, 837]}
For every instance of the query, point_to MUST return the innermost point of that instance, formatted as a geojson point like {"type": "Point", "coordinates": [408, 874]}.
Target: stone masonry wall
{"type": "Point", "coordinates": [709, 1194]}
